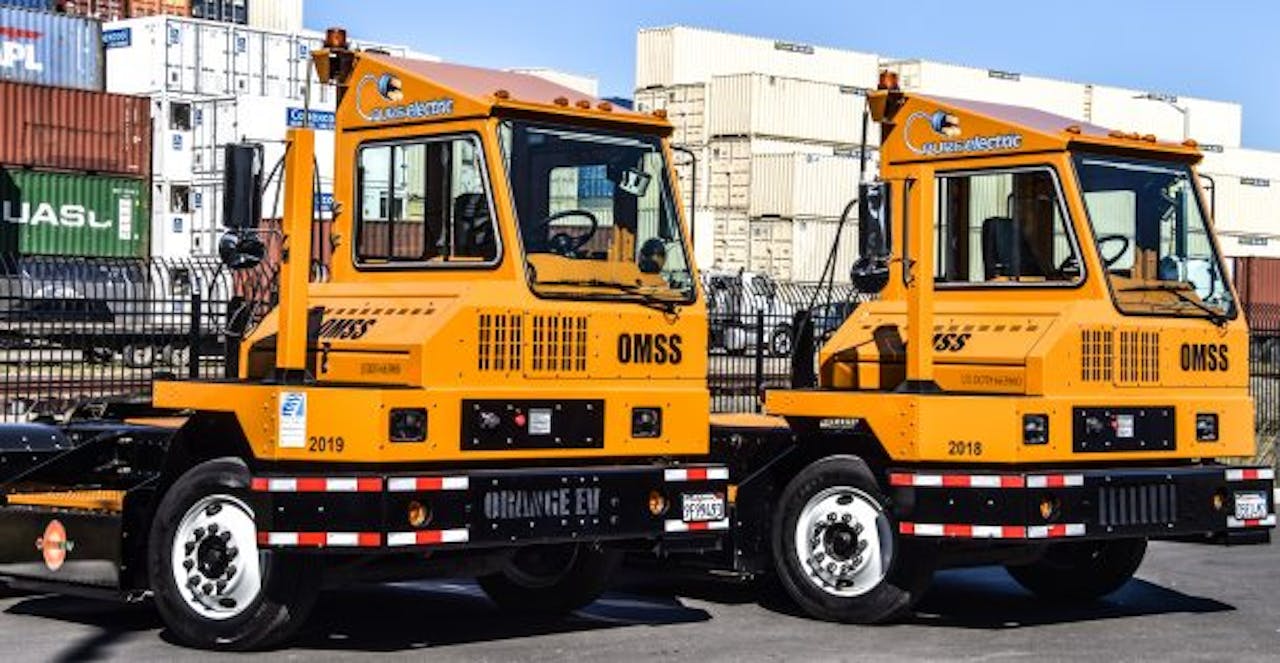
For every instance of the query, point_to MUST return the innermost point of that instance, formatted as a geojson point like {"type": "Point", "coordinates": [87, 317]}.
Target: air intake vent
{"type": "Point", "coordinates": [1097, 354]}
{"type": "Point", "coordinates": [559, 344]}
{"type": "Point", "coordinates": [1139, 357]}
{"type": "Point", "coordinates": [500, 342]}
{"type": "Point", "coordinates": [1124, 506]}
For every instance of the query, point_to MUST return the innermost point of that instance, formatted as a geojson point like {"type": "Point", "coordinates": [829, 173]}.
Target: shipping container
{"type": "Point", "coordinates": [682, 55]}
{"type": "Point", "coordinates": [577, 82]}
{"type": "Point", "coordinates": [33, 5]}
{"type": "Point", "coordinates": [50, 49]}
{"type": "Point", "coordinates": [792, 185]}
{"type": "Point", "coordinates": [811, 245]}
{"type": "Point", "coordinates": [992, 86]}
{"type": "Point", "coordinates": [729, 166]}
{"type": "Point", "coordinates": [99, 10]}
{"type": "Point", "coordinates": [789, 108]}
{"type": "Point", "coordinates": [732, 244]}
{"type": "Point", "coordinates": [278, 15]}
{"type": "Point", "coordinates": [141, 8]}
{"type": "Point", "coordinates": [65, 129]}
{"type": "Point", "coordinates": [224, 11]}
{"type": "Point", "coordinates": [686, 109]}
{"type": "Point", "coordinates": [1216, 124]}
{"type": "Point", "coordinates": [73, 215]}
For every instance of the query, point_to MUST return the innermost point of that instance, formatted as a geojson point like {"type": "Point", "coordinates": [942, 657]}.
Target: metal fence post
{"type": "Point", "coordinates": [193, 335]}
{"type": "Point", "coordinates": [759, 376]}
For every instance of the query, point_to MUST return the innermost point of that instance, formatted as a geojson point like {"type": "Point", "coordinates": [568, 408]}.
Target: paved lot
{"type": "Point", "coordinates": [1190, 602]}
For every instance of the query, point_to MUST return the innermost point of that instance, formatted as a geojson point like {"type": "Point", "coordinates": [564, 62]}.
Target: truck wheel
{"type": "Point", "coordinates": [552, 579]}
{"type": "Point", "coordinates": [835, 550]}
{"type": "Point", "coordinates": [213, 587]}
{"type": "Point", "coordinates": [780, 341]}
{"type": "Point", "coordinates": [139, 356]}
{"type": "Point", "coordinates": [1083, 570]}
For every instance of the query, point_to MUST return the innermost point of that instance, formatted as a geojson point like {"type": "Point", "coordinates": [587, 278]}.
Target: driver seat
{"type": "Point", "coordinates": [1006, 251]}
{"type": "Point", "coordinates": [473, 232]}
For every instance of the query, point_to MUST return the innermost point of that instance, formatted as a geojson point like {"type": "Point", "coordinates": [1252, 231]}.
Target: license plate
{"type": "Point", "coordinates": [1251, 505]}
{"type": "Point", "coordinates": [703, 507]}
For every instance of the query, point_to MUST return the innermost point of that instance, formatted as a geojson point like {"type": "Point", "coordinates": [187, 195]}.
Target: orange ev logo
{"type": "Point", "coordinates": [54, 545]}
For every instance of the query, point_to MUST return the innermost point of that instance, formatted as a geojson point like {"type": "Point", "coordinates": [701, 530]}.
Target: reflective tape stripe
{"type": "Point", "coordinates": [427, 484]}
{"type": "Point", "coordinates": [1055, 531]}
{"type": "Point", "coordinates": [697, 474]}
{"type": "Point", "coordinates": [962, 531]}
{"type": "Point", "coordinates": [1269, 521]}
{"type": "Point", "coordinates": [681, 526]}
{"type": "Point", "coordinates": [1055, 481]}
{"type": "Point", "coordinates": [321, 539]}
{"type": "Point", "coordinates": [428, 537]}
{"type": "Point", "coordinates": [316, 484]}
{"type": "Point", "coordinates": [956, 480]}
{"type": "Point", "coordinates": [1251, 474]}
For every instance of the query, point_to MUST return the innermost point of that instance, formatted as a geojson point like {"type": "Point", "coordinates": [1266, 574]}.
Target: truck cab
{"type": "Point", "coordinates": [1053, 373]}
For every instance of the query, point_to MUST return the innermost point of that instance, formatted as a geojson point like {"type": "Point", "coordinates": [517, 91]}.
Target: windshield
{"type": "Point", "coordinates": [596, 214]}
{"type": "Point", "coordinates": [1153, 238]}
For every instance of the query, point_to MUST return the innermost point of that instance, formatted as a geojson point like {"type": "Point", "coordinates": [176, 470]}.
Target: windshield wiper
{"type": "Point", "coordinates": [648, 298]}
{"type": "Point", "coordinates": [1215, 316]}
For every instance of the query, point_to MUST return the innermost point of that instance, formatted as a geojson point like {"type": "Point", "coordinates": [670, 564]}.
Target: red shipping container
{"type": "Point", "coordinates": [74, 130]}
{"type": "Point", "coordinates": [159, 7]}
{"type": "Point", "coordinates": [1257, 281]}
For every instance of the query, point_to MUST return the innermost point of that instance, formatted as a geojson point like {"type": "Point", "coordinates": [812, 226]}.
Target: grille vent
{"type": "Point", "coordinates": [500, 342]}
{"type": "Point", "coordinates": [1139, 357]}
{"type": "Point", "coordinates": [1123, 506]}
{"type": "Point", "coordinates": [559, 344]}
{"type": "Point", "coordinates": [1097, 353]}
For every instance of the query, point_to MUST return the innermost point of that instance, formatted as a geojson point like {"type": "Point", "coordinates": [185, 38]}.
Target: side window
{"type": "Point", "coordinates": [424, 202]}
{"type": "Point", "coordinates": [1003, 227]}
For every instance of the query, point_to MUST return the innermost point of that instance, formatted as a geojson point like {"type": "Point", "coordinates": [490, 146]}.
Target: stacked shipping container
{"type": "Point", "coordinates": [74, 161]}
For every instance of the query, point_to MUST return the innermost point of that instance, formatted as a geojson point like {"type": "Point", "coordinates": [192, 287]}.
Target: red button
{"type": "Point", "coordinates": [519, 420]}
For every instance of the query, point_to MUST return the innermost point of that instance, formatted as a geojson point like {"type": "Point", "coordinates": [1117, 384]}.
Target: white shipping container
{"type": "Point", "coordinates": [812, 240]}
{"type": "Point", "coordinates": [729, 166]}
{"type": "Point", "coordinates": [792, 185]}
{"type": "Point", "coordinates": [1246, 205]}
{"type": "Point", "coordinates": [992, 86]}
{"type": "Point", "coordinates": [790, 108]}
{"type": "Point", "coordinates": [686, 108]}
{"type": "Point", "coordinates": [682, 55]}
{"type": "Point", "coordinates": [1217, 123]}
{"type": "Point", "coordinates": [770, 249]}
{"type": "Point", "coordinates": [279, 15]}
{"type": "Point", "coordinates": [584, 84]}
{"type": "Point", "coordinates": [1242, 162]}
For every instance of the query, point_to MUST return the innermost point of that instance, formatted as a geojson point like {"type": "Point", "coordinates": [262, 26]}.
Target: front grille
{"type": "Point", "coordinates": [1139, 357]}
{"type": "Point", "coordinates": [1147, 504]}
{"type": "Point", "coordinates": [1096, 354]}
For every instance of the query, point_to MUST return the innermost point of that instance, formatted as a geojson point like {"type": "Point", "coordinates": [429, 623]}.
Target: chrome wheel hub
{"type": "Point", "coordinates": [216, 563]}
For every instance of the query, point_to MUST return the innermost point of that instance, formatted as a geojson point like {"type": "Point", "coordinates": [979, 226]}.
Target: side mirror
{"type": "Point", "coordinates": [241, 250]}
{"type": "Point", "coordinates": [242, 186]}
{"type": "Point", "coordinates": [871, 270]}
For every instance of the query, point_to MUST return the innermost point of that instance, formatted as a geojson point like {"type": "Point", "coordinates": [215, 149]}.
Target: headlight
{"type": "Point", "coordinates": [1035, 429]}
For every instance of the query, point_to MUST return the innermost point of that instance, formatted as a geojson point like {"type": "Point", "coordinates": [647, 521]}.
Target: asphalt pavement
{"type": "Point", "coordinates": [1187, 603]}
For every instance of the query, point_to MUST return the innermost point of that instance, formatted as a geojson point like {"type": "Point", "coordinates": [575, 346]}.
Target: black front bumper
{"type": "Point", "coordinates": [1174, 502]}
{"type": "Point", "coordinates": [482, 508]}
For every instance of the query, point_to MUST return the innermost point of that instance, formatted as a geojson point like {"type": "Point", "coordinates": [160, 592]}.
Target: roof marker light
{"type": "Point", "coordinates": [561, 101]}
{"type": "Point", "coordinates": [660, 113]}
{"type": "Point", "coordinates": [1073, 129]}
{"type": "Point", "coordinates": [584, 104]}
{"type": "Point", "coordinates": [605, 106]}
{"type": "Point", "coordinates": [502, 94]}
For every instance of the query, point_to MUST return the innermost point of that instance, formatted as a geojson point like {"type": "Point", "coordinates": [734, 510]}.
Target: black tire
{"type": "Point", "coordinates": [552, 579]}
{"type": "Point", "coordinates": [289, 584]}
{"type": "Point", "coordinates": [910, 564]}
{"type": "Point", "coordinates": [1081, 571]}
{"type": "Point", "coordinates": [781, 341]}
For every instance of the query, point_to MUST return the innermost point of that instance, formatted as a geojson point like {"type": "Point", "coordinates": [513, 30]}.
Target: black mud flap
{"type": "Point", "coordinates": [73, 548]}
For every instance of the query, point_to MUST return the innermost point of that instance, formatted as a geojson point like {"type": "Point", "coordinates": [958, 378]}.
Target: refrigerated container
{"type": "Point", "coordinates": [67, 214]}
{"type": "Point", "coordinates": [66, 129]}
{"type": "Point", "coordinates": [50, 49]}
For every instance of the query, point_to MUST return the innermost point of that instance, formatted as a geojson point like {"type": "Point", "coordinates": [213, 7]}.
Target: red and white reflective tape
{"type": "Point", "coordinates": [321, 539]}
{"type": "Point", "coordinates": [425, 484]}
{"type": "Point", "coordinates": [1269, 521]}
{"type": "Point", "coordinates": [428, 537]}
{"type": "Point", "coordinates": [1055, 481]}
{"type": "Point", "coordinates": [1251, 474]}
{"type": "Point", "coordinates": [697, 474]}
{"type": "Point", "coordinates": [316, 484]}
{"type": "Point", "coordinates": [959, 531]}
{"type": "Point", "coordinates": [682, 526]}
{"type": "Point", "coordinates": [956, 480]}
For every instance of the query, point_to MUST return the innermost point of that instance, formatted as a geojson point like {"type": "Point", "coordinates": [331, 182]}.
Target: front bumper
{"type": "Point", "coordinates": [484, 508]}
{"type": "Point", "coordinates": [1211, 501]}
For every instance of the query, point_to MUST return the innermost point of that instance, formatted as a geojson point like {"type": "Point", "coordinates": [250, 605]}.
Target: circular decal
{"type": "Point", "coordinates": [54, 545]}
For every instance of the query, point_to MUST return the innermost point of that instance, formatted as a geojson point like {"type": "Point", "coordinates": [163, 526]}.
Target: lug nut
{"type": "Point", "coordinates": [187, 564]}
{"type": "Point", "coordinates": [231, 571]}
{"type": "Point", "coordinates": [208, 588]}
{"type": "Point", "coordinates": [857, 528]}
{"type": "Point", "coordinates": [213, 528]}
{"type": "Point", "coordinates": [831, 517]}
{"type": "Point", "coordinates": [846, 518]}
{"type": "Point", "coordinates": [232, 551]}
{"type": "Point", "coordinates": [225, 536]}
{"type": "Point", "coordinates": [862, 545]}
{"type": "Point", "coordinates": [198, 533]}
{"type": "Point", "coordinates": [193, 581]}
{"type": "Point", "coordinates": [222, 585]}
{"type": "Point", "coordinates": [819, 556]}
{"type": "Point", "coordinates": [189, 547]}
{"type": "Point", "coordinates": [831, 567]}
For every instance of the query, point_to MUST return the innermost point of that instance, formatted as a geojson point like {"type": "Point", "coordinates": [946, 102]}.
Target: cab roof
{"type": "Point", "coordinates": [951, 125]}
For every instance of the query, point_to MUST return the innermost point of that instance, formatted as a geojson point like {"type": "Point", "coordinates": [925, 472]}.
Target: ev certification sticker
{"type": "Point", "coordinates": [292, 425]}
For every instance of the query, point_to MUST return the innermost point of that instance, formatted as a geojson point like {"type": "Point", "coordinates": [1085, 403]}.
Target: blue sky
{"type": "Point", "coordinates": [1227, 50]}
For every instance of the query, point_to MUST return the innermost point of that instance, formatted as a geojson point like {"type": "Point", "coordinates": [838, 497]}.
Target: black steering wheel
{"type": "Point", "coordinates": [1071, 264]}
{"type": "Point", "coordinates": [566, 245]}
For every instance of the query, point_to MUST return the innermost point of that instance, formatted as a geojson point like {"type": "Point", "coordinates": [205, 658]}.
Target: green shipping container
{"type": "Point", "coordinates": [64, 214]}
